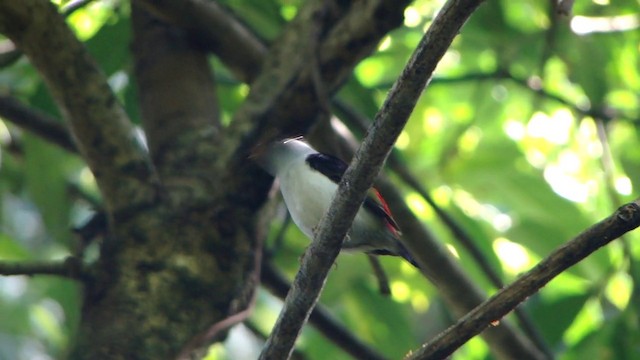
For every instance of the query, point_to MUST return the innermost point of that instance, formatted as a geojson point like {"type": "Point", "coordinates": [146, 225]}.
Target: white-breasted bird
{"type": "Point", "coordinates": [308, 180]}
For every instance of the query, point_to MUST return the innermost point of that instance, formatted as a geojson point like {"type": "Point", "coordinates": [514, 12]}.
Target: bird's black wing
{"type": "Point", "coordinates": [330, 166]}
{"type": "Point", "coordinates": [334, 168]}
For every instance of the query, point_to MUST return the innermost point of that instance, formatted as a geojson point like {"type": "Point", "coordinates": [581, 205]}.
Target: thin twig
{"type": "Point", "coordinates": [36, 122]}
{"type": "Point", "coordinates": [69, 268]}
{"type": "Point", "coordinates": [381, 276]}
{"type": "Point", "coordinates": [625, 219]}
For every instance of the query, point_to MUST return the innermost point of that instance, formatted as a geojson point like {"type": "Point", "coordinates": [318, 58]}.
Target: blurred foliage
{"type": "Point", "coordinates": [527, 135]}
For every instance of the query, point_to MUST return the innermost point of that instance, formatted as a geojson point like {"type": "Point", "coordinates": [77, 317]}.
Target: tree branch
{"type": "Point", "coordinates": [69, 268]}
{"type": "Point", "coordinates": [9, 53]}
{"type": "Point", "coordinates": [36, 122]}
{"type": "Point", "coordinates": [104, 134]}
{"type": "Point", "coordinates": [321, 318]}
{"type": "Point", "coordinates": [360, 175]}
{"type": "Point", "coordinates": [622, 221]}
{"type": "Point", "coordinates": [179, 107]}
{"type": "Point", "coordinates": [217, 30]}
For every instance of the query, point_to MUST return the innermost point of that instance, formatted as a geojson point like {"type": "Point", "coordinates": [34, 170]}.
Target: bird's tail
{"type": "Point", "coordinates": [405, 254]}
{"type": "Point", "coordinates": [400, 250]}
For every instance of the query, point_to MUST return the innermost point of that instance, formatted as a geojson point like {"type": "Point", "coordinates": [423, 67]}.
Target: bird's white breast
{"type": "Point", "coordinates": [307, 194]}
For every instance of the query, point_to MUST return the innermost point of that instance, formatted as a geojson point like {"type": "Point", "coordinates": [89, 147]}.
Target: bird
{"type": "Point", "coordinates": [308, 180]}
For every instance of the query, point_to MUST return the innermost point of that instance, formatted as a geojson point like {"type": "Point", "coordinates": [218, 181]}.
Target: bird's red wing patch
{"type": "Point", "coordinates": [389, 221]}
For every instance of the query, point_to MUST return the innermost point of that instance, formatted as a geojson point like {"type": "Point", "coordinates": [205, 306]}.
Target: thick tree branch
{"type": "Point", "coordinates": [217, 30]}
{"type": "Point", "coordinates": [36, 122]}
{"type": "Point", "coordinates": [360, 175]}
{"type": "Point", "coordinates": [8, 51]}
{"type": "Point", "coordinates": [69, 268]}
{"type": "Point", "coordinates": [622, 221]}
{"type": "Point", "coordinates": [103, 131]}
{"type": "Point", "coordinates": [180, 113]}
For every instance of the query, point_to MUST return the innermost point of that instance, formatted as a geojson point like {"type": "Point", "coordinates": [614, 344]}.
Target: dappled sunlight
{"type": "Point", "coordinates": [47, 318]}
{"type": "Point", "coordinates": [500, 221]}
{"type": "Point", "coordinates": [555, 129]}
{"type": "Point", "coordinates": [619, 288]}
{"type": "Point", "coordinates": [412, 17]}
{"type": "Point", "coordinates": [288, 11]}
{"type": "Point", "coordinates": [568, 154]}
{"type": "Point", "coordinates": [488, 61]}
{"type": "Point", "coordinates": [419, 206]}
{"type": "Point", "coordinates": [420, 302]}
{"type": "Point", "coordinates": [514, 257]}
{"type": "Point", "coordinates": [400, 291]}
{"type": "Point", "coordinates": [432, 120]}
{"type": "Point", "coordinates": [449, 62]}
{"type": "Point", "coordinates": [514, 129]}
{"type": "Point", "coordinates": [623, 185]}
{"type": "Point", "coordinates": [475, 349]}
{"type": "Point", "coordinates": [87, 180]}
{"type": "Point", "coordinates": [453, 251]}
{"type": "Point", "coordinates": [404, 140]}
{"type": "Point", "coordinates": [88, 20]}
{"type": "Point", "coordinates": [403, 293]}
{"type": "Point", "coordinates": [385, 43]}
{"type": "Point", "coordinates": [370, 71]}
{"type": "Point", "coordinates": [583, 25]}
{"type": "Point", "coordinates": [470, 140]}
{"type": "Point", "coordinates": [567, 186]}
{"type": "Point", "coordinates": [442, 195]}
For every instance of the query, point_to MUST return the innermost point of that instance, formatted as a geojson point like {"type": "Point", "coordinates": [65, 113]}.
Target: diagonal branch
{"type": "Point", "coordinates": [360, 175]}
{"type": "Point", "coordinates": [36, 122]}
{"type": "Point", "coordinates": [622, 221]}
{"type": "Point", "coordinates": [320, 318]}
{"type": "Point", "coordinates": [103, 132]}
{"type": "Point", "coordinates": [9, 54]}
